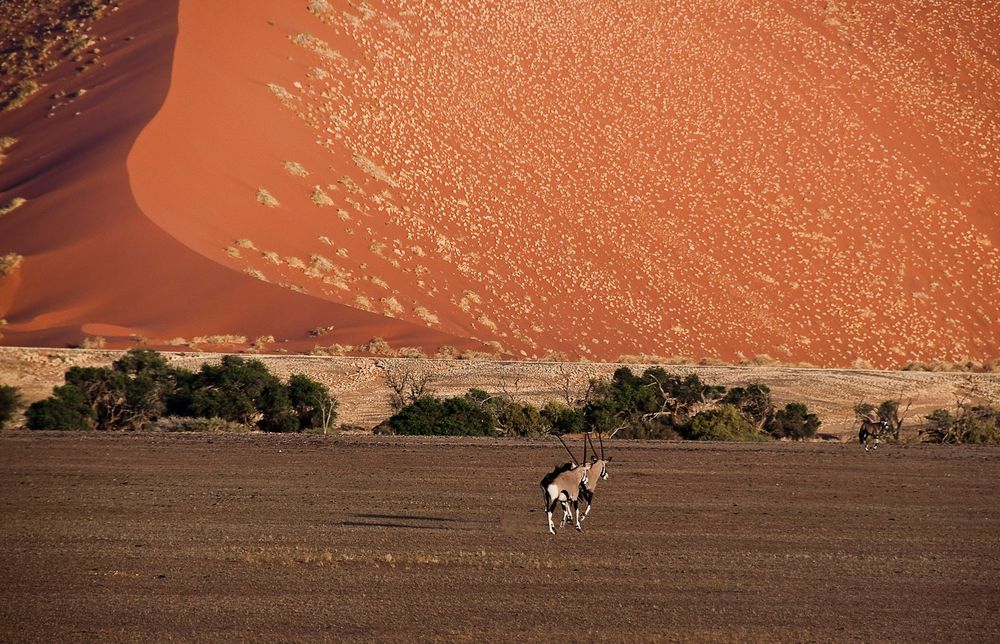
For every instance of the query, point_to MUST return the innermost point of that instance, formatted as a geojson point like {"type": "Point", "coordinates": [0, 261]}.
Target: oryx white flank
{"type": "Point", "coordinates": [562, 485]}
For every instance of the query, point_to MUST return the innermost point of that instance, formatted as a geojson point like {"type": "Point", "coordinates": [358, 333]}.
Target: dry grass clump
{"type": "Point", "coordinates": [320, 198]}
{"type": "Point", "coordinates": [93, 342]}
{"type": "Point", "coordinates": [272, 257]}
{"type": "Point", "coordinates": [220, 339]}
{"type": "Point", "coordinates": [446, 352]}
{"type": "Point", "coordinates": [947, 366]}
{"type": "Point", "coordinates": [265, 198]}
{"type": "Point", "coordinates": [410, 352]}
{"type": "Point", "coordinates": [332, 350]}
{"type": "Point", "coordinates": [176, 342]}
{"type": "Point", "coordinates": [377, 347]}
{"type": "Point", "coordinates": [245, 243]}
{"type": "Point", "coordinates": [470, 354]}
{"type": "Point", "coordinates": [19, 95]}
{"type": "Point", "coordinates": [296, 169]}
{"type": "Point", "coordinates": [253, 272]}
{"type": "Point", "coordinates": [320, 331]}
{"type": "Point", "coordinates": [6, 142]}
{"type": "Point", "coordinates": [12, 205]}
{"type": "Point", "coordinates": [9, 263]}
{"type": "Point", "coordinates": [319, 7]}
{"type": "Point", "coordinates": [211, 425]}
{"type": "Point", "coordinates": [373, 169]}
{"type": "Point", "coordinates": [426, 315]}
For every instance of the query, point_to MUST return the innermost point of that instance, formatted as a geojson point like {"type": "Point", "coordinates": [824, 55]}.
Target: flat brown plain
{"type": "Point", "coordinates": [159, 536]}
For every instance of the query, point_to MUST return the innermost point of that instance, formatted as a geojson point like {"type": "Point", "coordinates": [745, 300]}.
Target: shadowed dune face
{"type": "Point", "coordinates": [815, 182]}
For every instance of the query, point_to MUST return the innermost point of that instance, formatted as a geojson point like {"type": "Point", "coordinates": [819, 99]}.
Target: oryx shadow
{"type": "Point", "coordinates": [396, 521]}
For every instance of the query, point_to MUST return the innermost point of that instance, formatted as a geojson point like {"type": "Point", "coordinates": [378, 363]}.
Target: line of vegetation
{"type": "Point", "coordinates": [140, 389]}
{"type": "Point", "coordinates": [654, 405]}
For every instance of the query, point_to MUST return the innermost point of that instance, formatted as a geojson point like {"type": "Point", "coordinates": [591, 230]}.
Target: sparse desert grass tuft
{"type": "Point", "coordinates": [253, 272]}
{"type": "Point", "coordinates": [972, 366]}
{"type": "Point", "coordinates": [176, 342]}
{"type": "Point", "coordinates": [320, 198]}
{"type": "Point", "coordinates": [296, 169]}
{"type": "Point", "coordinates": [426, 315]}
{"type": "Point", "coordinates": [470, 354]}
{"type": "Point", "coordinates": [364, 303]}
{"type": "Point", "coordinates": [233, 251]}
{"type": "Point", "coordinates": [19, 95]}
{"type": "Point", "coordinates": [9, 263]}
{"type": "Point", "coordinates": [391, 305]}
{"type": "Point", "coordinates": [446, 352]}
{"type": "Point", "coordinates": [411, 352]}
{"type": "Point", "coordinates": [332, 350]}
{"type": "Point", "coordinates": [295, 262]}
{"type": "Point", "coordinates": [93, 342]}
{"type": "Point", "coordinates": [6, 143]}
{"type": "Point", "coordinates": [245, 243]}
{"type": "Point", "coordinates": [373, 169]}
{"type": "Point", "coordinates": [272, 257]}
{"type": "Point", "coordinates": [265, 198]}
{"type": "Point", "coordinates": [319, 7]}
{"type": "Point", "coordinates": [378, 347]}
{"type": "Point", "coordinates": [320, 331]}
{"type": "Point", "coordinates": [12, 205]}
{"type": "Point", "coordinates": [220, 339]}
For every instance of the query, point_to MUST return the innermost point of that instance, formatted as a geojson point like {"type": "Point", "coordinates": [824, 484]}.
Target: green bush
{"type": "Point", "coordinates": [722, 423]}
{"type": "Point", "coordinates": [656, 404]}
{"type": "Point", "coordinates": [794, 422]}
{"type": "Point", "coordinates": [429, 415]}
{"type": "Point", "coordinates": [10, 403]}
{"type": "Point", "coordinates": [562, 419]}
{"type": "Point", "coordinates": [67, 408]}
{"type": "Point", "coordinates": [753, 402]}
{"type": "Point", "coordinates": [977, 424]}
{"type": "Point", "coordinates": [141, 387]}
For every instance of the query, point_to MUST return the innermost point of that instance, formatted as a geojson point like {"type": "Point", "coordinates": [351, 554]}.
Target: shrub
{"type": "Point", "coordinates": [655, 405]}
{"type": "Point", "coordinates": [753, 402]}
{"type": "Point", "coordinates": [795, 422]}
{"type": "Point", "coordinates": [67, 408]}
{"type": "Point", "coordinates": [459, 416]}
{"type": "Point", "coordinates": [722, 423]}
{"type": "Point", "coordinates": [10, 403]}
{"type": "Point", "coordinates": [563, 419]}
{"type": "Point", "coordinates": [978, 424]}
{"type": "Point", "coordinates": [311, 403]}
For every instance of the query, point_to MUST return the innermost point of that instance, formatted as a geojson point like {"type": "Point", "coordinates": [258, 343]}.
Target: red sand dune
{"type": "Point", "coordinates": [815, 182]}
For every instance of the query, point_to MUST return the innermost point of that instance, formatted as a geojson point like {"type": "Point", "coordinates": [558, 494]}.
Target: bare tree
{"type": "Point", "coordinates": [405, 383]}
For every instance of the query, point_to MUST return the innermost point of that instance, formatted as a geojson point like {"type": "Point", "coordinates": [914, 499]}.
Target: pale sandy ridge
{"type": "Point", "coordinates": [359, 383]}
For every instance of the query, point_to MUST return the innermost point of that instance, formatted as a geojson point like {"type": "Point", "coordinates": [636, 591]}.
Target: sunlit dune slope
{"type": "Point", "coordinates": [94, 266]}
{"type": "Point", "coordinates": [812, 181]}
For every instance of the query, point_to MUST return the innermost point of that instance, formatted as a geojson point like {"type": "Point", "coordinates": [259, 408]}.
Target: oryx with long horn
{"type": "Point", "coordinates": [562, 485]}
{"type": "Point", "coordinates": [597, 470]}
{"type": "Point", "coordinates": [872, 427]}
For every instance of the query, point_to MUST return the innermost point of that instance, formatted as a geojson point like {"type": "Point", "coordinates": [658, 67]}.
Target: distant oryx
{"type": "Point", "coordinates": [872, 428]}
{"type": "Point", "coordinates": [563, 485]}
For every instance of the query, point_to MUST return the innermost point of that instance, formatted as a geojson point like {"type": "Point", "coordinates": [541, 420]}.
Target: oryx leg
{"type": "Point", "coordinates": [550, 504]}
{"type": "Point", "coordinates": [565, 509]}
{"type": "Point", "coordinates": [576, 509]}
{"type": "Point", "coordinates": [587, 496]}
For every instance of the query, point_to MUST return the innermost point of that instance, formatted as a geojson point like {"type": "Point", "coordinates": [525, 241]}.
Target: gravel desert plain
{"type": "Point", "coordinates": [175, 536]}
{"type": "Point", "coordinates": [159, 537]}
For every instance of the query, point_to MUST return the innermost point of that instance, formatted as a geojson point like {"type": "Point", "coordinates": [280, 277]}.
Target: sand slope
{"type": "Point", "coordinates": [815, 183]}
{"type": "Point", "coordinates": [95, 265]}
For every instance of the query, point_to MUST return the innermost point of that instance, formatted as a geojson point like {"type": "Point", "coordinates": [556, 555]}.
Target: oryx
{"type": "Point", "coordinates": [874, 428]}
{"type": "Point", "coordinates": [597, 470]}
{"type": "Point", "coordinates": [563, 485]}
